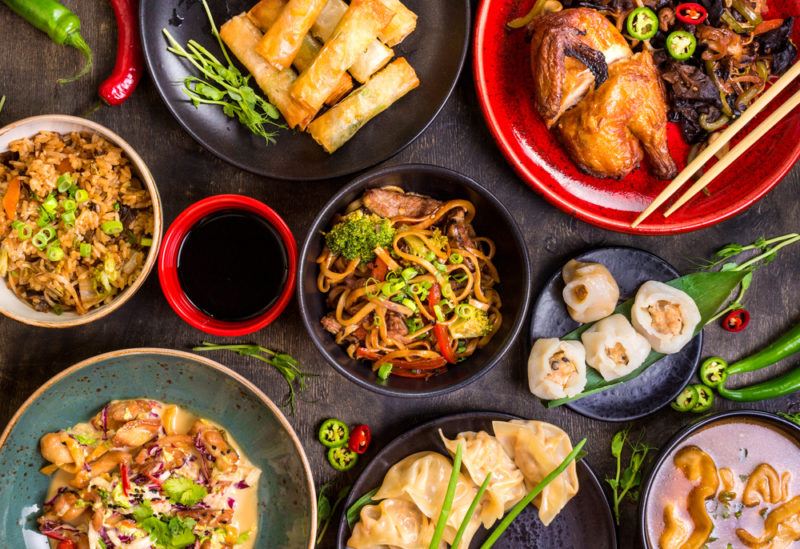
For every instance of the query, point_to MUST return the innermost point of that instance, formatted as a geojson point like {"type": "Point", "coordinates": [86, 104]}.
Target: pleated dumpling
{"type": "Point", "coordinates": [393, 522]}
{"type": "Point", "coordinates": [666, 316]}
{"type": "Point", "coordinates": [422, 479]}
{"type": "Point", "coordinates": [482, 454]}
{"type": "Point", "coordinates": [591, 293]}
{"type": "Point", "coordinates": [537, 448]}
{"type": "Point", "coordinates": [614, 348]}
{"type": "Point", "coordinates": [556, 369]}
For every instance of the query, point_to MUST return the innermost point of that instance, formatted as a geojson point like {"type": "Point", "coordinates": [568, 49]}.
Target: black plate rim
{"type": "Point", "coordinates": [314, 230]}
{"type": "Point", "coordinates": [682, 435]}
{"type": "Point", "coordinates": [356, 490]}
{"type": "Point", "coordinates": [572, 405]}
{"type": "Point", "coordinates": [160, 87]}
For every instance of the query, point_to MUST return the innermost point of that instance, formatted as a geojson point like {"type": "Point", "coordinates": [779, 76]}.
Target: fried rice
{"type": "Point", "coordinates": [82, 224]}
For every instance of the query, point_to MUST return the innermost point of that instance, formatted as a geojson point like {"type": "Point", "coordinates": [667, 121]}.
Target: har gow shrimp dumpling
{"type": "Point", "coordinates": [556, 369]}
{"type": "Point", "coordinates": [591, 293]}
{"type": "Point", "coordinates": [614, 348]}
{"type": "Point", "coordinates": [664, 315]}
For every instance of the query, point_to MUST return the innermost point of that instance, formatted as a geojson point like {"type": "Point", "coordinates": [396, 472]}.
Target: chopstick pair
{"type": "Point", "coordinates": [725, 137]}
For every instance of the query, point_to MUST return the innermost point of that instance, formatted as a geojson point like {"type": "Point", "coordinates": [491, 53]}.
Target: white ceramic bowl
{"type": "Point", "coordinates": [13, 307]}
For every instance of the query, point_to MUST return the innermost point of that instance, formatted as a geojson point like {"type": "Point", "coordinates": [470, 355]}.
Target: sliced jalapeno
{"type": "Point", "coordinates": [333, 433]}
{"type": "Point", "coordinates": [705, 399]}
{"type": "Point", "coordinates": [342, 458]}
{"type": "Point", "coordinates": [714, 371]}
{"type": "Point", "coordinates": [687, 400]}
{"type": "Point", "coordinates": [642, 23]}
{"type": "Point", "coordinates": [681, 45]}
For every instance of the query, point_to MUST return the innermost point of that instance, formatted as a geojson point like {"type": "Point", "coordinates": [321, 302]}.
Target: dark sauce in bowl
{"type": "Point", "coordinates": [232, 265]}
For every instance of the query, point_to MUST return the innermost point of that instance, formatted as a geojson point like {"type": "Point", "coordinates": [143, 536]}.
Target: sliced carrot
{"type": "Point", "coordinates": [11, 198]}
{"type": "Point", "coordinates": [766, 26]}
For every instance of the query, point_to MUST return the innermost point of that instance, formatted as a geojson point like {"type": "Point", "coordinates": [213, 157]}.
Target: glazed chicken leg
{"type": "Point", "coordinates": [606, 131]}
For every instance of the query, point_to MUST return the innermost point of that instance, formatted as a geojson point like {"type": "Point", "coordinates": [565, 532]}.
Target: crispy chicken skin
{"type": "Point", "coordinates": [570, 52]}
{"type": "Point", "coordinates": [605, 132]}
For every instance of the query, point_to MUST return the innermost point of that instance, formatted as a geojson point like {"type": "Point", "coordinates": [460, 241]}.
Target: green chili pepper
{"type": "Point", "coordinates": [333, 433]}
{"type": "Point", "coordinates": [642, 23]}
{"type": "Point", "coordinates": [714, 371]}
{"type": "Point", "coordinates": [786, 384]}
{"type": "Point", "coordinates": [686, 400]}
{"type": "Point", "coordinates": [705, 399]}
{"type": "Point", "coordinates": [342, 458]}
{"type": "Point", "coordinates": [59, 23]}
{"type": "Point", "coordinates": [785, 346]}
{"type": "Point", "coordinates": [681, 45]}
{"type": "Point", "coordinates": [715, 125]}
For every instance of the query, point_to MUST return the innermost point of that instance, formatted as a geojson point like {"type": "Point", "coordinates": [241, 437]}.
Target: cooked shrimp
{"type": "Point", "coordinates": [137, 432]}
{"type": "Point", "coordinates": [105, 464]}
{"type": "Point", "coordinates": [123, 411]}
{"type": "Point", "coordinates": [54, 448]}
{"type": "Point", "coordinates": [216, 445]}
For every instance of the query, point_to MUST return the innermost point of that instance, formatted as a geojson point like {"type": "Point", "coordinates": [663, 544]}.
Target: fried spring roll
{"type": "Point", "coordinates": [402, 24]}
{"type": "Point", "coordinates": [371, 61]}
{"type": "Point", "coordinates": [360, 25]}
{"type": "Point", "coordinates": [334, 128]}
{"type": "Point", "coordinates": [241, 37]}
{"type": "Point", "coordinates": [280, 44]}
{"type": "Point", "coordinates": [264, 14]}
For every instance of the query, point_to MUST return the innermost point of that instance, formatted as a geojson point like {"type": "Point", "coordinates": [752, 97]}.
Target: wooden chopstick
{"type": "Point", "coordinates": [737, 151]}
{"type": "Point", "coordinates": [712, 149]}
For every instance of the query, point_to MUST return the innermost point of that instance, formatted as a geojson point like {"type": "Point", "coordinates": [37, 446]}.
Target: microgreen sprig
{"type": "Point", "coordinates": [288, 367]}
{"type": "Point", "coordinates": [794, 418]}
{"type": "Point", "coordinates": [626, 482]}
{"type": "Point", "coordinates": [326, 510]}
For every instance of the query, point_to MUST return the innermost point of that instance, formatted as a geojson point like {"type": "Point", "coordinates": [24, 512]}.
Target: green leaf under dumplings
{"type": "Point", "coordinates": [709, 290]}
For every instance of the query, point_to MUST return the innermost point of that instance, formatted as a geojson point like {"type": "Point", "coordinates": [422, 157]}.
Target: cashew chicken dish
{"type": "Point", "coordinates": [732, 484]}
{"type": "Point", "coordinates": [143, 474]}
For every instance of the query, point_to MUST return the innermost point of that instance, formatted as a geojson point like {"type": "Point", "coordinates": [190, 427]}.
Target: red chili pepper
{"type": "Point", "coordinates": [66, 544]}
{"type": "Point", "coordinates": [691, 13]}
{"type": "Point", "coordinates": [123, 473]}
{"type": "Point", "coordinates": [360, 437]}
{"type": "Point", "coordinates": [153, 479]}
{"type": "Point", "coordinates": [434, 296]}
{"type": "Point", "coordinates": [443, 340]}
{"type": "Point", "coordinates": [130, 61]}
{"type": "Point", "coordinates": [736, 321]}
{"type": "Point", "coordinates": [54, 535]}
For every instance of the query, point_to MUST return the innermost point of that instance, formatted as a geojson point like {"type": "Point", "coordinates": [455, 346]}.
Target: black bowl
{"type": "Point", "coordinates": [788, 427]}
{"type": "Point", "coordinates": [491, 219]}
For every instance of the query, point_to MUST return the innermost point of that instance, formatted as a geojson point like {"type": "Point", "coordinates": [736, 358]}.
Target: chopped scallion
{"type": "Point", "coordinates": [439, 314]}
{"type": "Point", "coordinates": [409, 273]}
{"type": "Point", "coordinates": [384, 371]}
{"type": "Point", "coordinates": [39, 240]}
{"type": "Point", "coordinates": [50, 204]}
{"type": "Point", "coordinates": [112, 227]}
{"type": "Point", "coordinates": [456, 258]}
{"type": "Point", "coordinates": [465, 310]}
{"type": "Point", "coordinates": [410, 304]}
{"type": "Point", "coordinates": [81, 196]}
{"type": "Point", "coordinates": [24, 232]}
{"type": "Point", "coordinates": [68, 218]}
{"type": "Point", "coordinates": [146, 242]}
{"type": "Point", "coordinates": [69, 205]}
{"type": "Point", "coordinates": [54, 252]}
{"type": "Point", "coordinates": [64, 182]}
{"type": "Point", "coordinates": [85, 249]}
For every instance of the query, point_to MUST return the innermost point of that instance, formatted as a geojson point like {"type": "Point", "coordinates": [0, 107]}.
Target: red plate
{"type": "Point", "coordinates": [504, 84]}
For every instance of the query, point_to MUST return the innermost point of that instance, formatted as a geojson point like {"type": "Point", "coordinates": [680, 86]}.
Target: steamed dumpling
{"type": "Point", "coordinates": [614, 348]}
{"type": "Point", "coordinates": [482, 454]}
{"type": "Point", "coordinates": [537, 448]}
{"type": "Point", "coordinates": [664, 315]}
{"type": "Point", "coordinates": [392, 522]}
{"type": "Point", "coordinates": [556, 369]}
{"type": "Point", "coordinates": [591, 293]}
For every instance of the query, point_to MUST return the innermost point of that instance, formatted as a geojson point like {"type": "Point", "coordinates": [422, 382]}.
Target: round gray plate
{"type": "Point", "coordinates": [585, 521]}
{"type": "Point", "coordinates": [662, 381]}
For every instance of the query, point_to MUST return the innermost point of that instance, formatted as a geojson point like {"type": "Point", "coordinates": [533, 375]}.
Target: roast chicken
{"type": "Point", "coordinates": [607, 105]}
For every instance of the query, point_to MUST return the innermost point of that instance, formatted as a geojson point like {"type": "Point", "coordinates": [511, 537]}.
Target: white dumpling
{"type": "Point", "coordinates": [482, 454]}
{"type": "Point", "coordinates": [664, 315]}
{"type": "Point", "coordinates": [556, 369]}
{"type": "Point", "coordinates": [392, 522]}
{"type": "Point", "coordinates": [422, 479]}
{"type": "Point", "coordinates": [614, 348]}
{"type": "Point", "coordinates": [537, 448]}
{"type": "Point", "coordinates": [591, 293]}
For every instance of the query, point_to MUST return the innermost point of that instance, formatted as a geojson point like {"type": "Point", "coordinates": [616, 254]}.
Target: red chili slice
{"type": "Point", "coordinates": [736, 321]}
{"type": "Point", "coordinates": [123, 473]}
{"type": "Point", "coordinates": [360, 437]}
{"type": "Point", "coordinates": [691, 13]}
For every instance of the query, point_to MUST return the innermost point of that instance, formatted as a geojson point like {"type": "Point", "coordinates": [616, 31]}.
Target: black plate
{"type": "Point", "coordinates": [662, 381]}
{"type": "Point", "coordinates": [436, 50]}
{"type": "Point", "coordinates": [585, 521]}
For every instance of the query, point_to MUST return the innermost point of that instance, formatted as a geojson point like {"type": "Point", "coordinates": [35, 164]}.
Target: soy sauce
{"type": "Point", "coordinates": [232, 265]}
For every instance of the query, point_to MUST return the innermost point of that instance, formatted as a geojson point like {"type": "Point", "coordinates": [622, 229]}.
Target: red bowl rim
{"type": "Point", "coordinates": [531, 174]}
{"type": "Point", "coordinates": [168, 263]}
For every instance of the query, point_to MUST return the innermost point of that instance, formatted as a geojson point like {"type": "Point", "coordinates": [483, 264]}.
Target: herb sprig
{"type": "Point", "coordinates": [224, 85]}
{"type": "Point", "coordinates": [794, 418]}
{"type": "Point", "coordinates": [326, 510]}
{"type": "Point", "coordinates": [626, 482]}
{"type": "Point", "coordinates": [287, 365]}
{"type": "Point", "coordinates": [355, 510]}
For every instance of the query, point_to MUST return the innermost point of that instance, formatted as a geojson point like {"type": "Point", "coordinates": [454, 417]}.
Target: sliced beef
{"type": "Point", "coordinates": [458, 230]}
{"type": "Point", "coordinates": [395, 326]}
{"type": "Point", "coordinates": [392, 204]}
{"type": "Point", "coordinates": [330, 324]}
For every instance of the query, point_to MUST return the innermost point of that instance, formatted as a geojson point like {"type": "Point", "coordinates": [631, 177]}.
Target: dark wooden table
{"type": "Point", "coordinates": [457, 139]}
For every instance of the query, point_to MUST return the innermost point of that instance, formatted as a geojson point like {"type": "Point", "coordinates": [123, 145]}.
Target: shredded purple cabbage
{"type": "Point", "coordinates": [231, 501]}
{"type": "Point", "coordinates": [241, 485]}
{"type": "Point", "coordinates": [58, 493]}
{"type": "Point", "coordinates": [104, 416]}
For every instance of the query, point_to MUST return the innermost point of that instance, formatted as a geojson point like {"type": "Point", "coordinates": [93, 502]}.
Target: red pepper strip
{"type": "Point", "coordinates": [153, 479]}
{"type": "Point", "coordinates": [54, 535]}
{"type": "Point", "coordinates": [691, 13]}
{"type": "Point", "coordinates": [736, 321]}
{"type": "Point", "coordinates": [423, 364]}
{"type": "Point", "coordinates": [443, 340]}
{"type": "Point", "coordinates": [66, 544]}
{"type": "Point", "coordinates": [123, 473]}
{"type": "Point", "coordinates": [366, 354]}
{"type": "Point", "coordinates": [129, 66]}
{"type": "Point", "coordinates": [766, 26]}
{"type": "Point", "coordinates": [379, 269]}
{"type": "Point", "coordinates": [407, 373]}
{"type": "Point", "coordinates": [360, 438]}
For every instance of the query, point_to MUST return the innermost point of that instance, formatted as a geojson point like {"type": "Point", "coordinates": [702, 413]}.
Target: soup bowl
{"type": "Point", "coordinates": [286, 498]}
{"type": "Point", "coordinates": [491, 220]}
{"type": "Point", "coordinates": [750, 447]}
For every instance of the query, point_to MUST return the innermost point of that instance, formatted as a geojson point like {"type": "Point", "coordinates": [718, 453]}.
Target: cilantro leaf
{"type": "Point", "coordinates": [184, 491]}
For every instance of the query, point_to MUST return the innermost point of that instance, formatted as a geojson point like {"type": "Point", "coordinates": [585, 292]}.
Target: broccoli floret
{"type": "Point", "coordinates": [358, 234]}
{"type": "Point", "coordinates": [472, 322]}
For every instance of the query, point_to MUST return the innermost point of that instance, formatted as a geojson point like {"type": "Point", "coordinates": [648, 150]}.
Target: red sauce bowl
{"type": "Point", "coordinates": [168, 264]}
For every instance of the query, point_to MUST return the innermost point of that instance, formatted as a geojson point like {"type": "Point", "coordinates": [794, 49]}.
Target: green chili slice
{"type": "Point", "coordinates": [342, 458]}
{"type": "Point", "coordinates": [333, 433]}
{"type": "Point", "coordinates": [713, 371]}
{"type": "Point", "coordinates": [681, 45]}
{"type": "Point", "coordinates": [705, 399]}
{"type": "Point", "coordinates": [642, 23]}
{"type": "Point", "coordinates": [686, 400]}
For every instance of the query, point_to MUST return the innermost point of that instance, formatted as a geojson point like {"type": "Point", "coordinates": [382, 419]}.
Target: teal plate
{"type": "Point", "coordinates": [286, 497]}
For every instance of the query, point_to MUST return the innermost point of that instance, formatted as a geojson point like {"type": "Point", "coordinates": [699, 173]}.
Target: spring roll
{"type": "Point", "coordinates": [280, 44]}
{"type": "Point", "coordinates": [264, 14]}
{"type": "Point", "coordinates": [241, 37]}
{"type": "Point", "coordinates": [359, 26]}
{"type": "Point", "coordinates": [402, 24]}
{"type": "Point", "coordinates": [371, 61]}
{"type": "Point", "coordinates": [335, 127]}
